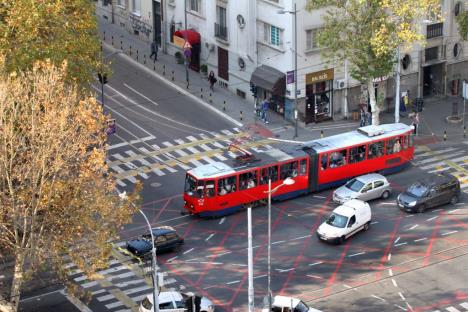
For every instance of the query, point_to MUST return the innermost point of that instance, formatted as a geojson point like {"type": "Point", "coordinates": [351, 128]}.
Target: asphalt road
{"type": "Point", "coordinates": [161, 133]}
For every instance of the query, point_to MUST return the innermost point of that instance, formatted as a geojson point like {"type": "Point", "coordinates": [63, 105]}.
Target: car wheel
{"type": "Point", "coordinates": [422, 208]}
{"type": "Point", "coordinates": [366, 226]}
{"type": "Point", "coordinates": [454, 200]}
{"type": "Point", "coordinates": [341, 240]}
{"type": "Point", "coordinates": [385, 194]}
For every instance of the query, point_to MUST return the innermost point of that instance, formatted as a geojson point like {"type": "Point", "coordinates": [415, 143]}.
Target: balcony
{"type": "Point", "coordinates": [435, 30]}
{"type": "Point", "coordinates": [221, 31]}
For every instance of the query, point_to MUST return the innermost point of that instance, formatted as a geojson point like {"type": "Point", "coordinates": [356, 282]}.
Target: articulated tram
{"type": "Point", "coordinates": [219, 189]}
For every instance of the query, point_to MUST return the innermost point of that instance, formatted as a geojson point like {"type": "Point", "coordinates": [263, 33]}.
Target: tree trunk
{"type": "Point", "coordinates": [375, 110]}
{"type": "Point", "coordinates": [5, 306]}
{"type": "Point", "coordinates": [17, 281]}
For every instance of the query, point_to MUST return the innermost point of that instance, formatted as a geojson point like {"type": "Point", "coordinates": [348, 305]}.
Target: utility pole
{"type": "Point", "coordinates": [186, 39]}
{"type": "Point", "coordinates": [397, 82]}
{"type": "Point", "coordinates": [250, 259]}
{"type": "Point", "coordinates": [295, 71]}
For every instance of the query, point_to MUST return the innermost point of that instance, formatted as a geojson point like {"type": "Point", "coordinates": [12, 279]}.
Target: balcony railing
{"type": "Point", "coordinates": [220, 31]}
{"type": "Point", "coordinates": [435, 30]}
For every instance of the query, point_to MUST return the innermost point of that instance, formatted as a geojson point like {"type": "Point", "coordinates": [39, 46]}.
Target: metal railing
{"type": "Point", "coordinates": [221, 31]}
{"type": "Point", "coordinates": [435, 30]}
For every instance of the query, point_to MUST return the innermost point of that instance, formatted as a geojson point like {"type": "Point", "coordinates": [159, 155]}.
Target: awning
{"type": "Point", "coordinates": [190, 35]}
{"type": "Point", "coordinates": [269, 79]}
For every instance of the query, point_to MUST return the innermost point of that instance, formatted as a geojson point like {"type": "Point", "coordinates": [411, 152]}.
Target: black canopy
{"type": "Point", "coordinates": [270, 79]}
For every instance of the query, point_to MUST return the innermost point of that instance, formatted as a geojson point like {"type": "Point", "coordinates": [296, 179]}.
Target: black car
{"type": "Point", "coordinates": [165, 239]}
{"type": "Point", "coordinates": [434, 190]}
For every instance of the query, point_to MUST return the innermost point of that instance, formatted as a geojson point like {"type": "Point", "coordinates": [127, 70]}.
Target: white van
{"type": "Point", "coordinates": [289, 304]}
{"type": "Point", "coordinates": [345, 221]}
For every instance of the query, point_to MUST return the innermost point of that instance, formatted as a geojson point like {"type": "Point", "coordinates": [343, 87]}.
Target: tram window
{"type": "Point", "coordinates": [376, 150]}
{"type": "Point", "coordinates": [324, 161]}
{"type": "Point", "coordinates": [200, 189]}
{"type": "Point", "coordinates": [404, 142]}
{"type": "Point", "coordinates": [410, 140]}
{"type": "Point", "coordinates": [270, 172]}
{"type": "Point", "coordinates": [227, 185]}
{"type": "Point", "coordinates": [248, 180]}
{"type": "Point", "coordinates": [190, 184]}
{"type": "Point", "coordinates": [210, 188]}
{"type": "Point", "coordinates": [391, 146]}
{"type": "Point", "coordinates": [288, 170]}
{"type": "Point", "coordinates": [303, 167]}
{"type": "Point", "coordinates": [337, 158]}
{"type": "Point", "coordinates": [357, 154]}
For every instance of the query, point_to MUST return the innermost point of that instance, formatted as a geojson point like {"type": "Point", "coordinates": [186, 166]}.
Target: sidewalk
{"type": "Point", "coordinates": [432, 119]}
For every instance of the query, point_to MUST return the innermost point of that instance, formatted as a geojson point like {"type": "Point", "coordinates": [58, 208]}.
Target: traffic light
{"type": "Point", "coordinates": [253, 89]}
{"type": "Point", "coordinates": [102, 78]}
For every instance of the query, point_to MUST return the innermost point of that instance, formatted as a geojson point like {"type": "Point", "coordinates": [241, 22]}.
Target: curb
{"type": "Point", "coordinates": [179, 89]}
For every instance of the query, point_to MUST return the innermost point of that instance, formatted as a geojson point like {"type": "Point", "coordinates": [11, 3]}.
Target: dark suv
{"type": "Point", "coordinates": [165, 239]}
{"type": "Point", "coordinates": [434, 190]}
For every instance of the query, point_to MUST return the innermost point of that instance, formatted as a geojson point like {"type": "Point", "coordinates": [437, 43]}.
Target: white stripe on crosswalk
{"type": "Point", "coordinates": [89, 284]}
{"type": "Point", "coordinates": [120, 183]}
{"type": "Point", "coordinates": [122, 158]}
{"type": "Point", "coordinates": [464, 305]}
{"type": "Point", "coordinates": [439, 170]}
{"type": "Point", "coordinates": [137, 289]}
{"type": "Point", "coordinates": [231, 154]}
{"type": "Point", "coordinates": [97, 292]}
{"type": "Point", "coordinates": [220, 157]}
{"type": "Point", "coordinates": [128, 283]}
{"type": "Point", "coordinates": [123, 275]}
{"type": "Point", "coordinates": [217, 144]}
{"type": "Point", "coordinates": [168, 144]}
{"type": "Point", "coordinates": [432, 153]}
{"type": "Point", "coordinates": [192, 138]}
{"type": "Point", "coordinates": [227, 132]}
{"type": "Point", "coordinates": [143, 161]}
{"type": "Point", "coordinates": [452, 309]}
{"type": "Point", "coordinates": [139, 298]}
{"type": "Point", "coordinates": [117, 169]}
{"type": "Point", "coordinates": [131, 142]}
{"type": "Point", "coordinates": [237, 129]}
{"type": "Point", "coordinates": [114, 305]}
{"type": "Point", "coordinates": [193, 150]}
{"type": "Point", "coordinates": [205, 147]}
{"type": "Point", "coordinates": [208, 160]}
{"type": "Point", "coordinates": [196, 162]}
{"type": "Point", "coordinates": [179, 141]}
{"type": "Point", "coordinates": [106, 297]}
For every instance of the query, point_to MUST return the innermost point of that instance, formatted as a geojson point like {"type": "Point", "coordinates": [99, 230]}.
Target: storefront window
{"type": "Point", "coordinates": [319, 101]}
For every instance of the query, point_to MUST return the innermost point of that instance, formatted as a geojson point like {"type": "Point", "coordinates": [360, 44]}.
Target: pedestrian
{"type": "Point", "coordinates": [264, 109]}
{"type": "Point", "coordinates": [369, 117]}
{"type": "Point", "coordinates": [212, 80]}
{"type": "Point", "coordinates": [154, 51]}
{"type": "Point", "coordinates": [416, 123]}
{"type": "Point", "coordinates": [363, 117]}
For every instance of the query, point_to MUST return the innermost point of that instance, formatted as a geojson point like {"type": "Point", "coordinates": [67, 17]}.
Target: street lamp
{"type": "Point", "coordinates": [397, 82]}
{"type": "Point", "coordinates": [294, 12]}
{"type": "Point", "coordinates": [287, 181]}
{"type": "Point", "coordinates": [154, 267]}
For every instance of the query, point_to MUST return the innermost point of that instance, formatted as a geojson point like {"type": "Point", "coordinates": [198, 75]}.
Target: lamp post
{"type": "Point", "coordinates": [186, 39]}
{"type": "Point", "coordinates": [154, 266]}
{"type": "Point", "coordinates": [397, 82]}
{"type": "Point", "coordinates": [294, 12]}
{"type": "Point", "coordinates": [250, 259]}
{"type": "Point", "coordinates": [287, 181]}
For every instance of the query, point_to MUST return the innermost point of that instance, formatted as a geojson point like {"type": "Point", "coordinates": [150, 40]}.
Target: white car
{"type": "Point", "coordinates": [365, 187]}
{"type": "Point", "coordinates": [284, 304]}
{"type": "Point", "coordinates": [345, 221]}
{"type": "Point", "coordinates": [173, 301]}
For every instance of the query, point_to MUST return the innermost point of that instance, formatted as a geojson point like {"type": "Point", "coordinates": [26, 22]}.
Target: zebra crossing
{"type": "Point", "coordinates": [118, 288]}
{"type": "Point", "coordinates": [141, 158]}
{"type": "Point", "coordinates": [453, 160]}
{"type": "Point", "coordinates": [460, 307]}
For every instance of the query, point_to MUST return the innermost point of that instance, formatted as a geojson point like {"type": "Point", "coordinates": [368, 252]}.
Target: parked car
{"type": "Point", "coordinates": [175, 301]}
{"type": "Point", "coordinates": [165, 239]}
{"type": "Point", "coordinates": [434, 190]}
{"type": "Point", "coordinates": [345, 221]}
{"type": "Point", "coordinates": [365, 187]}
{"type": "Point", "coordinates": [284, 304]}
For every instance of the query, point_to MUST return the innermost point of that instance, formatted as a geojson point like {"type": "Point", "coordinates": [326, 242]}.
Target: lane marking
{"type": "Point", "coordinates": [316, 263]}
{"type": "Point", "coordinates": [420, 239]}
{"type": "Point", "coordinates": [409, 306]}
{"type": "Point", "coordinates": [389, 256]}
{"type": "Point", "coordinates": [400, 307]}
{"type": "Point", "coordinates": [110, 147]}
{"type": "Point", "coordinates": [430, 219]}
{"type": "Point", "coordinates": [319, 196]}
{"type": "Point", "coordinates": [233, 282]}
{"type": "Point", "coordinates": [140, 94]}
{"type": "Point", "coordinates": [222, 220]}
{"type": "Point", "coordinates": [357, 254]}
{"type": "Point", "coordinates": [413, 227]}
{"type": "Point", "coordinates": [173, 258]}
{"type": "Point", "coordinates": [439, 209]}
{"type": "Point", "coordinates": [315, 276]}
{"type": "Point", "coordinates": [347, 286]}
{"type": "Point", "coordinates": [401, 296]}
{"type": "Point", "coordinates": [377, 297]}
{"type": "Point", "coordinates": [260, 276]}
{"type": "Point", "coordinates": [278, 242]}
{"type": "Point", "coordinates": [186, 252]}
{"type": "Point", "coordinates": [301, 237]}
{"type": "Point", "coordinates": [452, 211]}
{"type": "Point", "coordinates": [409, 216]}
{"type": "Point", "coordinates": [390, 272]}
{"type": "Point", "coordinates": [394, 282]}
{"type": "Point", "coordinates": [241, 265]}
{"type": "Point", "coordinates": [448, 233]}
{"type": "Point", "coordinates": [374, 222]}
{"type": "Point", "coordinates": [396, 240]}
{"type": "Point", "coordinates": [400, 244]}
{"type": "Point", "coordinates": [208, 238]}
{"type": "Point", "coordinates": [284, 270]}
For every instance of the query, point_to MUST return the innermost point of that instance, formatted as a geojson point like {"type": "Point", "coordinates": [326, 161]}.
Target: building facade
{"type": "Point", "coordinates": [252, 42]}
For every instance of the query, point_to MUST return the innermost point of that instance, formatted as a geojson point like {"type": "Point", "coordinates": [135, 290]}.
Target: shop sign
{"type": "Point", "coordinates": [178, 41]}
{"type": "Point", "coordinates": [319, 76]}
{"type": "Point", "coordinates": [379, 79]}
{"type": "Point", "coordinates": [290, 77]}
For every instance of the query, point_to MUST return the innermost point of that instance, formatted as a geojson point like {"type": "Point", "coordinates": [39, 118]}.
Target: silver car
{"type": "Point", "coordinates": [365, 187]}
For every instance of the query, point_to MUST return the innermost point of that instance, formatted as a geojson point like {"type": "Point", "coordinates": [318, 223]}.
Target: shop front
{"type": "Point", "coordinates": [270, 84]}
{"type": "Point", "coordinates": [319, 96]}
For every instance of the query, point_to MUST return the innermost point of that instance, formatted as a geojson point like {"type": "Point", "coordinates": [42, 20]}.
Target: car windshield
{"type": "Point", "coordinates": [301, 307]}
{"type": "Point", "coordinates": [337, 220]}
{"type": "Point", "coordinates": [417, 189]}
{"type": "Point", "coordinates": [190, 184]}
{"type": "Point", "coordinates": [354, 185]}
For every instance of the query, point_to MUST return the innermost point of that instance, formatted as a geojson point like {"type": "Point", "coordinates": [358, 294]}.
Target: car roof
{"type": "Point", "coordinates": [283, 301]}
{"type": "Point", "coordinates": [438, 178]}
{"type": "Point", "coordinates": [162, 230]}
{"type": "Point", "coordinates": [349, 208]}
{"type": "Point", "coordinates": [167, 296]}
{"type": "Point", "coordinates": [371, 177]}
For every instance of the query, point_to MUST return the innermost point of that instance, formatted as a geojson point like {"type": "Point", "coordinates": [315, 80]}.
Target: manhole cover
{"type": "Point", "coordinates": [155, 184]}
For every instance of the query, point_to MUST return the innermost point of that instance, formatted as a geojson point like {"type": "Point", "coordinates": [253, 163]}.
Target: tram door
{"type": "Point", "coordinates": [313, 169]}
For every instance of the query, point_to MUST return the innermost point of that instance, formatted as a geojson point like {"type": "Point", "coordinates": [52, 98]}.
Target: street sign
{"type": "Point", "coordinates": [290, 77]}
{"type": "Point", "coordinates": [187, 45]}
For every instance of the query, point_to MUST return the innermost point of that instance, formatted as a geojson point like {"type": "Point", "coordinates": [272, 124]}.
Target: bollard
{"type": "Point", "coordinates": [201, 93]}
{"type": "Point", "coordinates": [224, 105]}
{"type": "Point", "coordinates": [241, 115]}
{"type": "Point", "coordinates": [104, 36]}
{"type": "Point", "coordinates": [144, 59]}
{"type": "Point", "coordinates": [445, 135]}
{"type": "Point", "coordinates": [112, 40]}
{"type": "Point", "coordinates": [101, 47]}
{"type": "Point", "coordinates": [187, 85]}
{"type": "Point", "coordinates": [164, 70]}
{"type": "Point", "coordinates": [211, 98]}
{"type": "Point", "coordinates": [172, 75]}
{"type": "Point", "coordinates": [130, 50]}
{"type": "Point", "coordinates": [321, 134]}
{"type": "Point", "coordinates": [154, 64]}
{"type": "Point", "coordinates": [121, 45]}
{"type": "Point", "coordinates": [137, 56]}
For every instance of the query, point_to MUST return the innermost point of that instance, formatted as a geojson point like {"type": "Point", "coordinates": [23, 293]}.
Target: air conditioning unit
{"type": "Point", "coordinates": [340, 84]}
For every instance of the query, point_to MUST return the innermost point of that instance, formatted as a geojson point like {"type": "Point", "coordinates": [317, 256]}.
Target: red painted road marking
{"type": "Point", "coordinates": [388, 248]}
{"type": "Point", "coordinates": [161, 200]}
{"type": "Point", "coordinates": [331, 280]}
{"type": "Point", "coordinates": [156, 217]}
{"type": "Point", "coordinates": [435, 230]}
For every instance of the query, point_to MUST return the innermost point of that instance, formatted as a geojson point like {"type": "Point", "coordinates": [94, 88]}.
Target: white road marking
{"type": "Point", "coordinates": [419, 239]}
{"type": "Point", "coordinates": [430, 219]}
{"type": "Point", "coordinates": [374, 222]}
{"type": "Point", "coordinates": [239, 264]}
{"type": "Point", "coordinates": [394, 283]}
{"type": "Point", "coordinates": [278, 242]}
{"type": "Point", "coordinates": [301, 237]}
{"type": "Point", "coordinates": [233, 282]}
{"type": "Point", "coordinates": [140, 94]}
{"type": "Point", "coordinates": [452, 309]}
{"type": "Point", "coordinates": [390, 272]}
{"type": "Point", "coordinates": [413, 227]}
{"type": "Point", "coordinates": [409, 306]}
{"type": "Point", "coordinates": [448, 233]}
{"type": "Point", "coordinates": [208, 238]}
{"type": "Point", "coordinates": [409, 216]}
{"type": "Point", "coordinates": [439, 209]}
{"type": "Point", "coordinates": [224, 253]}
{"type": "Point", "coordinates": [209, 287]}
{"type": "Point", "coordinates": [131, 142]}
{"type": "Point", "coordinates": [400, 307]}
{"type": "Point", "coordinates": [388, 203]}
{"type": "Point", "coordinates": [389, 257]}
{"type": "Point", "coordinates": [318, 196]}
{"type": "Point", "coordinates": [284, 270]}
{"type": "Point", "coordinates": [356, 254]}
{"type": "Point", "coordinates": [452, 211]}
{"type": "Point", "coordinates": [464, 305]}
{"type": "Point", "coordinates": [260, 276]}
{"type": "Point", "coordinates": [396, 240]}
{"type": "Point", "coordinates": [316, 263]}
{"type": "Point", "coordinates": [105, 297]}
{"type": "Point", "coordinates": [186, 252]}
{"type": "Point", "coordinates": [315, 276]}
{"type": "Point", "coordinates": [347, 286]}
{"type": "Point", "coordinates": [222, 220]}
{"type": "Point", "coordinates": [377, 297]}
{"type": "Point", "coordinates": [97, 292]}
{"type": "Point", "coordinates": [401, 244]}
{"type": "Point", "coordinates": [172, 259]}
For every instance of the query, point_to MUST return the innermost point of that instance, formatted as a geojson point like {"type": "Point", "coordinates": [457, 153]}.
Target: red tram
{"type": "Point", "coordinates": [218, 189]}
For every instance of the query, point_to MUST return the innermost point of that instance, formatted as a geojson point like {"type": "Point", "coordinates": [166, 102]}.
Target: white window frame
{"type": "Point", "coordinates": [268, 30]}
{"type": "Point", "coordinates": [311, 39]}
{"type": "Point", "coordinates": [121, 3]}
{"type": "Point", "coordinates": [196, 7]}
{"type": "Point", "coordinates": [136, 7]}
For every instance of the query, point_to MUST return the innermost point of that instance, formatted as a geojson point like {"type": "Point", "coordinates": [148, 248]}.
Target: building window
{"type": "Point", "coordinates": [136, 6]}
{"type": "Point", "coordinates": [272, 34]}
{"type": "Point", "coordinates": [458, 8]}
{"type": "Point", "coordinates": [194, 5]}
{"type": "Point", "coordinates": [312, 39]}
{"type": "Point", "coordinates": [220, 25]}
{"type": "Point", "coordinates": [434, 30]}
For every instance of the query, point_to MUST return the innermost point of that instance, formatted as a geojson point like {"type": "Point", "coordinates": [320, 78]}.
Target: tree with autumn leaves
{"type": "Point", "coordinates": [367, 34]}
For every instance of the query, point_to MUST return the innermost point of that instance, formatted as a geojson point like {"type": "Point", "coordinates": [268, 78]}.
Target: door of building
{"type": "Point", "coordinates": [157, 13]}
{"type": "Point", "coordinates": [223, 64]}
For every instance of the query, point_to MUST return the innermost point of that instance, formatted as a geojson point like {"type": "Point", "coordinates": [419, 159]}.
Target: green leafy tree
{"type": "Point", "coordinates": [367, 34]}
{"type": "Point", "coordinates": [462, 20]}
{"type": "Point", "coordinates": [35, 30]}
{"type": "Point", "coordinates": [56, 196]}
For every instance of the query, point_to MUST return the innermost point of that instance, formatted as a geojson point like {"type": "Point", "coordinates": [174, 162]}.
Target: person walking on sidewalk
{"type": "Point", "coordinates": [363, 117]}
{"type": "Point", "coordinates": [264, 109]}
{"type": "Point", "coordinates": [212, 80]}
{"type": "Point", "coordinates": [415, 121]}
{"type": "Point", "coordinates": [154, 51]}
